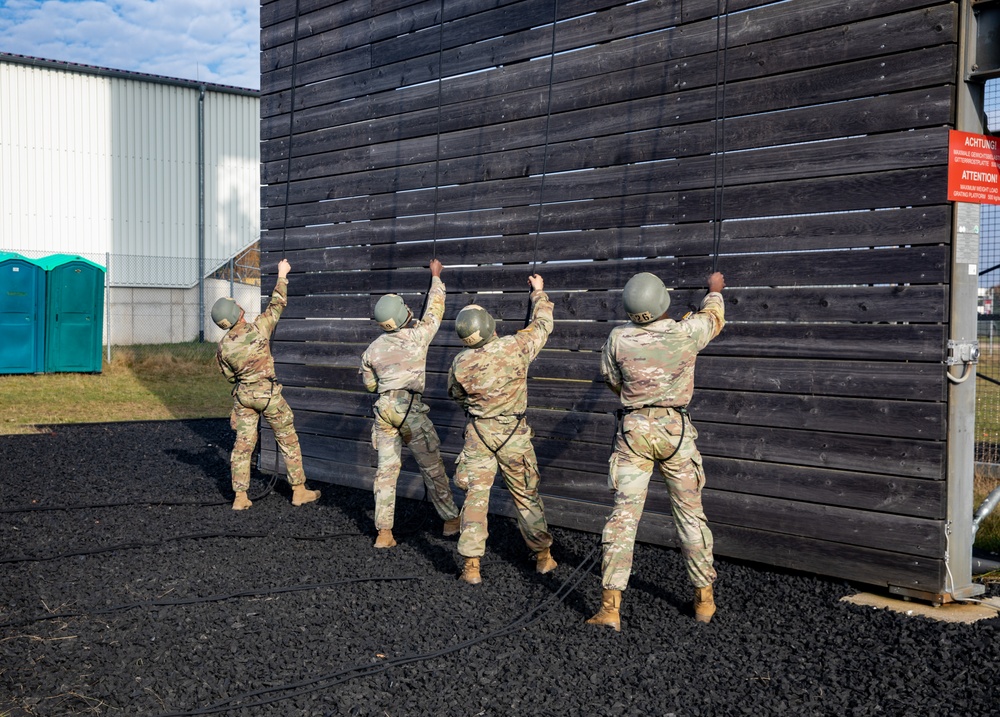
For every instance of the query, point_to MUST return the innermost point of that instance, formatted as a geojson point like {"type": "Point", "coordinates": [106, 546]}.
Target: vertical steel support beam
{"type": "Point", "coordinates": [201, 213]}
{"type": "Point", "coordinates": [963, 327]}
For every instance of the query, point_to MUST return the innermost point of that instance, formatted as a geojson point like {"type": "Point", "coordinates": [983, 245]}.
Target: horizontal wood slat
{"type": "Point", "coordinates": [374, 194]}
{"type": "Point", "coordinates": [404, 242]}
{"type": "Point", "coordinates": [910, 304]}
{"type": "Point", "coordinates": [853, 192]}
{"type": "Point", "coordinates": [916, 265]}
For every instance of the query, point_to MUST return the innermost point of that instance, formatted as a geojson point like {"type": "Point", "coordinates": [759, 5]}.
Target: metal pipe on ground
{"type": "Point", "coordinates": [985, 508]}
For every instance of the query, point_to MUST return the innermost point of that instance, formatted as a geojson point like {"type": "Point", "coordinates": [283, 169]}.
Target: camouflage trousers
{"type": "Point", "coordinates": [653, 435]}
{"type": "Point", "coordinates": [417, 432]}
{"type": "Point", "coordinates": [250, 402]}
{"type": "Point", "coordinates": [476, 471]}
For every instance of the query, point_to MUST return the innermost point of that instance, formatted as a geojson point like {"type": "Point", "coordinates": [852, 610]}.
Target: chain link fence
{"type": "Point", "coordinates": [150, 301]}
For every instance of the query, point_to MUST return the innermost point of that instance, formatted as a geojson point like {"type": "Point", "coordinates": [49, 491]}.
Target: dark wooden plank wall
{"type": "Point", "coordinates": [821, 408]}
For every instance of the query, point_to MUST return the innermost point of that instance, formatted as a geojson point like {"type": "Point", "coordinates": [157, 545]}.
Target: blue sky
{"type": "Point", "coordinates": [208, 40]}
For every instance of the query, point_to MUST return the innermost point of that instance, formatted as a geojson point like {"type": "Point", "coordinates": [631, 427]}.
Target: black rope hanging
{"type": "Point", "coordinates": [719, 189]}
{"type": "Point", "coordinates": [291, 125]}
{"type": "Point", "coordinates": [545, 150]}
{"type": "Point", "coordinates": [437, 150]}
{"type": "Point", "coordinates": [545, 147]}
{"type": "Point", "coordinates": [288, 161]}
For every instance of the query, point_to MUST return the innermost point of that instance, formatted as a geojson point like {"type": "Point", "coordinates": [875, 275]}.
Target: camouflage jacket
{"type": "Point", "coordinates": [653, 364]}
{"type": "Point", "coordinates": [244, 353]}
{"type": "Point", "coordinates": [492, 380]}
{"type": "Point", "coordinates": [397, 360]}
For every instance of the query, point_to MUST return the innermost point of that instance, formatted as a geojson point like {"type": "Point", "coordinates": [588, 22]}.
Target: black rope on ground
{"type": "Point", "coordinates": [720, 126]}
{"type": "Point", "coordinates": [154, 503]}
{"type": "Point", "coordinates": [345, 675]}
{"type": "Point", "coordinates": [173, 539]}
{"type": "Point", "coordinates": [209, 598]}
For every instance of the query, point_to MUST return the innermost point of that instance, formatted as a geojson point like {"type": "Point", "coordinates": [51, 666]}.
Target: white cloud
{"type": "Point", "coordinates": [211, 40]}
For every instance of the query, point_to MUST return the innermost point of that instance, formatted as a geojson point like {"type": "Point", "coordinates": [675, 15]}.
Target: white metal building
{"type": "Point", "coordinates": [157, 178]}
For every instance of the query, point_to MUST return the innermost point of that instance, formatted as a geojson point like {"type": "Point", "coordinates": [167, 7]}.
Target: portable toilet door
{"type": "Point", "coordinates": [22, 315]}
{"type": "Point", "coordinates": [74, 313]}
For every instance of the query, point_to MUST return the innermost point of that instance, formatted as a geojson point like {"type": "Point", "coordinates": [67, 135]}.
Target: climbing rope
{"type": "Point", "coordinates": [291, 125]}
{"type": "Point", "coordinates": [545, 147]}
{"type": "Point", "coordinates": [332, 679]}
{"type": "Point", "coordinates": [437, 151]}
{"type": "Point", "coordinates": [719, 188]}
{"type": "Point", "coordinates": [545, 151]}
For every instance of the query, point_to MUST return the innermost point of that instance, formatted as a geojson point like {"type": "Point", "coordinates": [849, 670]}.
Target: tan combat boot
{"type": "Point", "coordinates": [302, 495]}
{"type": "Point", "coordinates": [704, 604]}
{"type": "Point", "coordinates": [610, 612]}
{"type": "Point", "coordinates": [470, 572]}
{"type": "Point", "coordinates": [385, 539]}
{"type": "Point", "coordinates": [241, 502]}
{"type": "Point", "coordinates": [544, 563]}
{"type": "Point", "coordinates": [453, 526]}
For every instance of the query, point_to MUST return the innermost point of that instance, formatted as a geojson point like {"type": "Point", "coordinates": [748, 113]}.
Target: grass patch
{"type": "Point", "coordinates": [141, 383]}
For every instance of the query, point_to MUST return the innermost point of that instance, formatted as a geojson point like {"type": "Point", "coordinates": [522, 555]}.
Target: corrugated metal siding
{"type": "Point", "coordinates": [92, 164]}
{"type": "Point", "coordinates": [52, 143]}
{"type": "Point", "coordinates": [232, 157]}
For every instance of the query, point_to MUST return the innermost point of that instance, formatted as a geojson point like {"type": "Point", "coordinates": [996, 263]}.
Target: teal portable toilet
{"type": "Point", "coordinates": [22, 314]}
{"type": "Point", "coordinates": [74, 313]}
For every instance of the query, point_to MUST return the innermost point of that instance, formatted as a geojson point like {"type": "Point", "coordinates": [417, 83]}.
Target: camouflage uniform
{"type": "Point", "coordinates": [491, 383]}
{"type": "Point", "coordinates": [394, 365]}
{"type": "Point", "coordinates": [244, 355]}
{"type": "Point", "coordinates": [653, 366]}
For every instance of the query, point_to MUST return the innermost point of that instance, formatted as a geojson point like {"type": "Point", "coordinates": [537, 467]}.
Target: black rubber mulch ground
{"type": "Point", "coordinates": [290, 611]}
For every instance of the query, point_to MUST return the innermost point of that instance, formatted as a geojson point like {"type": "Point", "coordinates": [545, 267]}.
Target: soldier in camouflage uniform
{"type": "Point", "coordinates": [244, 355]}
{"type": "Point", "coordinates": [393, 366]}
{"type": "Point", "coordinates": [489, 380]}
{"type": "Point", "coordinates": [649, 363]}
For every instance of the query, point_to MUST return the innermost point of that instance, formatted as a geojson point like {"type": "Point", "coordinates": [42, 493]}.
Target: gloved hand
{"type": "Point", "coordinates": [462, 483]}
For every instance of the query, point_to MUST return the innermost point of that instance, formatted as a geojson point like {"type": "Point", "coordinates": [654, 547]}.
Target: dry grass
{"type": "Point", "coordinates": [162, 382]}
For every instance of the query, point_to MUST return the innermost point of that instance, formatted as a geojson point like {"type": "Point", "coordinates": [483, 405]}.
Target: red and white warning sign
{"type": "Point", "coordinates": [973, 168]}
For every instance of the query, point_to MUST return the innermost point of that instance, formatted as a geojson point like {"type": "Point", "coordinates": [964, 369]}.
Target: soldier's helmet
{"type": "Point", "coordinates": [225, 313]}
{"type": "Point", "coordinates": [645, 297]}
{"type": "Point", "coordinates": [391, 313]}
{"type": "Point", "coordinates": [475, 326]}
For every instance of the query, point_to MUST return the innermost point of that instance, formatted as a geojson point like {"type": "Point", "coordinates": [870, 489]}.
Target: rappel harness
{"type": "Point", "coordinates": [405, 415]}
{"type": "Point", "coordinates": [620, 427]}
{"type": "Point", "coordinates": [494, 451]}
{"type": "Point", "coordinates": [270, 395]}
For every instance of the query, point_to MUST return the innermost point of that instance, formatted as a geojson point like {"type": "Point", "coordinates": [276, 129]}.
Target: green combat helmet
{"type": "Point", "coordinates": [474, 326]}
{"type": "Point", "coordinates": [645, 297]}
{"type": "Point", "coordinates": [391, 313]}
{"type": "Point", "coordinates": [225, 313]}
